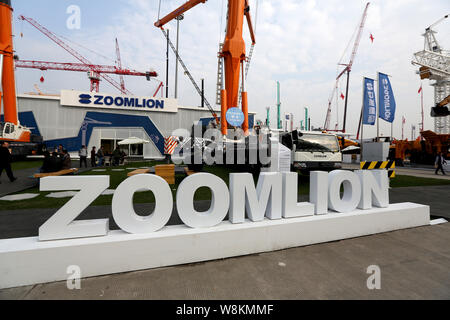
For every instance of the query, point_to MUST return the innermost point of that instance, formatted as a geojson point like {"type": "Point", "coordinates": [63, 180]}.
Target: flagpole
{"type": "Point", "coordinates": [403, 126]}
{"type": "Point", "coordinates": [378, 108]}
{"type": "Point", "coordinates": [392, 130]}
{"type": "Point", "coordinates": [421, 94]}
{"type": "Point", "coordinates": [362, 121]}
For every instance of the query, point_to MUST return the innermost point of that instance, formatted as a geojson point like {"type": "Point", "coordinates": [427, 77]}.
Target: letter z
{"type": "Point", "coordinates": [62, 225]}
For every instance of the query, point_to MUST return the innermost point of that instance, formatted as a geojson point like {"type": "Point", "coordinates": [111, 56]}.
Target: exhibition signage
{"type": "Point", "coordinates": [386, 98]}
{"type": "Point", "coordinates": [235, 117]}
{"type": "Point", "coordinates": [117, 102]}
{"type": "Point", "coordinates": [370, 105]}
{"type": "Point", "coordinates": [262, 217]}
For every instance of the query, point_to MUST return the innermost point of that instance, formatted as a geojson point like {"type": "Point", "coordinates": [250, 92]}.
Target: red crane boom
{"type": "Point", "coordinates": [95, 71]}
{"type": "Point", "coordinates": [45, 65]}
{"type": "Point", "coordinates": [347, 69]}
{"type": "Point", "coordinates": [119, 65]}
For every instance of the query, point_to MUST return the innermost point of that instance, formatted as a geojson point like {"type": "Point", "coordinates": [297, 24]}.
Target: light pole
{"type": "Point", "coordinates": [179, 18]}
{"type": "Point", "coordinates": [306, 119]}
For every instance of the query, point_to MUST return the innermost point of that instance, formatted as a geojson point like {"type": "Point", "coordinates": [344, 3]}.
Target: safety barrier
{"type": "Point", "coordinates": [376, 165]}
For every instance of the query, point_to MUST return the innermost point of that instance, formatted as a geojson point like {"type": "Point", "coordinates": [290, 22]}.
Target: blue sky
{"type": "Point", "coordinates": [299, 43]}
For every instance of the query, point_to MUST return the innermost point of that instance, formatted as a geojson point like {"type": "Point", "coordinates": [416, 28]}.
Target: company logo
{"type": "Point", "coordinates": [85, 99]}
{"type": "Point", "coordinates": [235, 117]}
{"type": "Point", "coordinates": [127, 102]}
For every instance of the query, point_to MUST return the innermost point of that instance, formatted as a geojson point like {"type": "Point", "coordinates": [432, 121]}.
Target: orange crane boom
{"type": "Point", "coordinates": [8, 92]}
{"type": "Point", "coordinates": [182, 9]}
{"type": "Point", "coordinates": [233, 53]}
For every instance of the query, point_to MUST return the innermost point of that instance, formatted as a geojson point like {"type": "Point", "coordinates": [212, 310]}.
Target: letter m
{"type": "Point", "coordinates": [264, 200]}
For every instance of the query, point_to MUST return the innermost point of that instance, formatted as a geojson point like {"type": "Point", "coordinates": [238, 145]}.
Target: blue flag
{"type": "Point", "coordinates": [386, 98]}
{"type": "Point", "coordinates": [370, 105]}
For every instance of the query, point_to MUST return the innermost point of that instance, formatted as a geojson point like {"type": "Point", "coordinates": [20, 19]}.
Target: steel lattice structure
{"type": "Point", "coordinates": [434, 63]}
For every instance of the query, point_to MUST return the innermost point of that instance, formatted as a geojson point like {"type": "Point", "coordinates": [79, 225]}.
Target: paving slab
{"type": "Point", "coordinates": [334, 270]}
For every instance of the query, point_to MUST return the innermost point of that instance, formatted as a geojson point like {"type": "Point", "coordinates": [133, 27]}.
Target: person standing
{"type": "Point", "coordinates": [93, 155]}
{"type": "Point", "coordinates": [83, 153]}
{"type": "Point", "coordinates": [66, 161]}
{"type": "Point", "coordinates": [116, 155]}
{"type": "Point", "coordinates": [100, 156]}
{"type": "Point", "coordinates": [439, 163]}
{"type": "Point", "coordinates": [5, 161]}
{"type": "Point", "coordinates": [60, 150]}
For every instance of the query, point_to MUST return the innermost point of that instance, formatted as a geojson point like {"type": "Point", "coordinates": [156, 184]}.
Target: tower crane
{"type": "Point", "coordinates": [347, 70]}
{"type": "Point", "coordinates": [94, 74]}
{"type": "Point", "coordinates": [81, 67]}
{"type": "Point", "coordinates": [233, 53]}
{"type": "Point", "coordinates": [434, 63]}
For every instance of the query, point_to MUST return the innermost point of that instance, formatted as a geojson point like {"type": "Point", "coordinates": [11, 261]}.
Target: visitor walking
{"type": "Point", "coordinates": [439, 163]}
{"type": "Point", "coordinates": [83, 153]}
{"type": "Point", "coordinates": [5, 161]}
{"type": "Point", "coordinates": [93, 155]}
{"type": "Point", "coordinates": [100, 156]}
{"type": "Point", "coordinates": [116, 155]}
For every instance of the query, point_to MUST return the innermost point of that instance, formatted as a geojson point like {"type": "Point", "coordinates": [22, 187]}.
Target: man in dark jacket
{"type": "Point", "coordinates": [55, 163]}
{"type": "Point", "coordinates": [66, 161]}
{"type": "Point", "coordinates": [439, 163]}
{"type": "Point", "coordinates": [116, 155]}
{"type": "Point", "coordinates": [93, 156]}
{"type": "Point", "coordinates": [5, 161]}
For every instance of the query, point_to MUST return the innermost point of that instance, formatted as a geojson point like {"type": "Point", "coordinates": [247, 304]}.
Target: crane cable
{"type": "Point", "coordinates": [159, 9]}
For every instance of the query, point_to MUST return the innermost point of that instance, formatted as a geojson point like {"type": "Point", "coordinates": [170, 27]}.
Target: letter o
{"type": "Point", "coordinates": [352, 191]}
{"type": "Point", "coordinates": [150, 103]}
{"type": "Point", "coordinates": [220, 201]}
{"type": "Point", "coordinates": [108, 101]}
{"type": "Point", "coordinates": [118, 101]}
{"type": "Point", "coordinates": [123, 208]}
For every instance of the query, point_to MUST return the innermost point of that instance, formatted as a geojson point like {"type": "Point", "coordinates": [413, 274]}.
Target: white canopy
{"type": "Point", "coordinates": [351, 148]}
{"type": "Point", "coordinates": [133, 140]}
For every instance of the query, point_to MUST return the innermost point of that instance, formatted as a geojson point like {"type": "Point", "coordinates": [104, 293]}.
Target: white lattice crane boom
{"type": "Point", "coordinates": [434, 63]}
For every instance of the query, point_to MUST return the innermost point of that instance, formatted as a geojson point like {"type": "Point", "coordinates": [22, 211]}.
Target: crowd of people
{"type": "Point", "coordinates": [60, 159]}
{"type": "Point", "coordinates": [56, 161]}
{"type": "Point", "coordinates": [98, 157]}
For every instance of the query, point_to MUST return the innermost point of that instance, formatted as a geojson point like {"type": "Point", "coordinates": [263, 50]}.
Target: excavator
{"type": "Point", "coordinates": [432, 66]}
{"type": "Point", "coordinates": [424, 149]}
{"type": "Point", "coordinates": [20, 137]}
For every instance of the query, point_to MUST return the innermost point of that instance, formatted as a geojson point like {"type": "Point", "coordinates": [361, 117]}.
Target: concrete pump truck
{"type": "Point", "coordinates": [22, 141]}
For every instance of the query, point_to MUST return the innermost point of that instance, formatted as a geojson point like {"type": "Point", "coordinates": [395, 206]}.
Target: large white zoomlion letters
{"type": "Point", "coordinates": [274, 197]}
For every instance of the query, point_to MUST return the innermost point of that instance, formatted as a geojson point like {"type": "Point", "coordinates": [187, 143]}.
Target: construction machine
{"type": "Point", "coordinates": [440, 110]}
{"type": "Point", "coordinates": [233, 54]}
{"type": "Point", "coordinates": [21, 139]}
{"type": "Point", "coordinates": [434, 65]}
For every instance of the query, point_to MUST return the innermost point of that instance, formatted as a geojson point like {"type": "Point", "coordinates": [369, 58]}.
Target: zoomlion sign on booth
{"type": "Point", "coordinates": [262, 218]}
{"type": "Point", "coordinates": [116, 102]}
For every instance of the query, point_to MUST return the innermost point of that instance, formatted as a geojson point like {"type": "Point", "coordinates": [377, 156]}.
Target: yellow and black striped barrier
{"type": "Point", "coordinates": [375, 165]}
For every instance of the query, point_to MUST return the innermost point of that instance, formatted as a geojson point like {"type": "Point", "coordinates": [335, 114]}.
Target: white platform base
{"type": "Point", "coordinates": [27, 261]}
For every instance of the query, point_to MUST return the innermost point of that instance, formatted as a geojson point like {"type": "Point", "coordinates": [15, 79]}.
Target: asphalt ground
{"type": "Point", "coordinates": [25, 180]}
